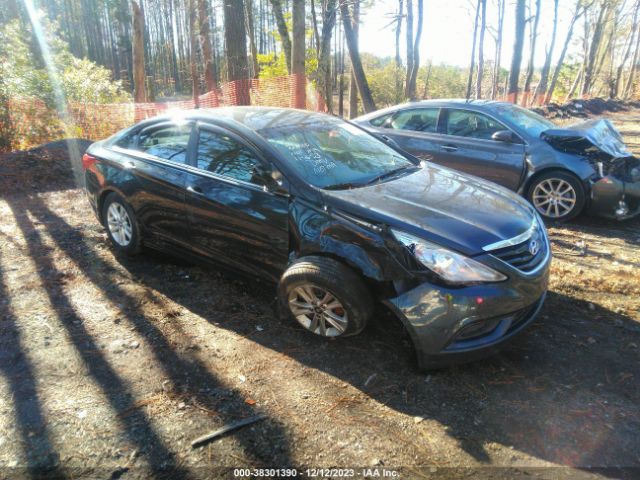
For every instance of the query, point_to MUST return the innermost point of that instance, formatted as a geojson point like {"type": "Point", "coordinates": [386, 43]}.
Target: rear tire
{"type": "Point", "coordinates": [121, 225]}
{"type": "Point", "coordinates": [558, 196]}
{"type": "Point", "coordinates": [325, 297]}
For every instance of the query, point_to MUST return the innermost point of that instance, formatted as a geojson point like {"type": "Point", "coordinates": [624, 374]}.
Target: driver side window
{"type": "Point", "coordinates": [463, 123]}
{"type": "Point", "coordinates": [221, 154]}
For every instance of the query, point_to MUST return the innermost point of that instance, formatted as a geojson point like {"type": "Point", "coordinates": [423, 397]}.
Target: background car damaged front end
{"type": "Point", "coordinates": [617, 194]}
{"type": "Point", "coordinates": [615, 185]}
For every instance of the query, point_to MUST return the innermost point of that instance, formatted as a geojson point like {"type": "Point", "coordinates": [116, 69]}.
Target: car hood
{"type": "Point", "coordinates": [454, 210]}
{"type": "Point", "coordinates": [594, 138]}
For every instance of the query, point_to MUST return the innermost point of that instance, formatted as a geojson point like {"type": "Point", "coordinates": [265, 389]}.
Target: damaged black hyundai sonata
{"type": "Point", "coordinates": [339, 219]}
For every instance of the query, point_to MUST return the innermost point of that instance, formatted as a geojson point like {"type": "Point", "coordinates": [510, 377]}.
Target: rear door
{"type": "Point", "coordinates": [158, 159]}
{"type": "Point", "coordinates": [415, 130]}
{"type": "Point", "coordinates": [235, 215]}
{"type": "Point", "coordinates": [466, 145]}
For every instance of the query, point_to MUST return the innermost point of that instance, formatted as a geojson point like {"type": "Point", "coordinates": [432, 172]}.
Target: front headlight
{"type": "Point", "coordinates": [451, 266]}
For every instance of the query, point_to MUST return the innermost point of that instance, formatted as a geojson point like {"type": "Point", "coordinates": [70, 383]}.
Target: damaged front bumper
{"type": "Point", "coordinates": [612, 197]}
{"type": "Point", "coordinates": [457, 325]}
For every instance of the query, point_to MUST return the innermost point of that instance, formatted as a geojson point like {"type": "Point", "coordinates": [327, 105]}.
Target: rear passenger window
{"type": "Point", "coordinates": [463, 123]}
{"type": "Point", "coordinates": [418, 120]}
{"type": "Point", "coordinates": [169, 143]}
{"type": "Point", "coordinates": [220, 154]}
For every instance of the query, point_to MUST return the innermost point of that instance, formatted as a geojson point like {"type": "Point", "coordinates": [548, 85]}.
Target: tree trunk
{"type": "Point", "coordinates": [575, 84]}
{"type": "Point", "coordinates": [483, 27]}
{"type": "Point", "coordinates": [205, 45]}
{"type": "Point", "coordinates": [283, 31]}
{"type": "Point", "coordinates": [398, 58]}
{"type": "Point", "coordinates": [139, 80]}
{"type": "Point", "coordinates": [516, 59]}
{"type": "Point", "coordinates": [356, 65]}
{"type": "Point", "coordinates": [298, 52]}
{"type": "Point", "coordinates": [236, 50]}
{"type": "Point", "coordinates": [472, 67]}
{"type": "Point", "coordinates": [353, 87]}
{"type": "Point", "coordinates": [324, 60]}
{"type": "Point", "coordinates": [531, 64]}
{"type": "Point", "coordinates": [415, 65]}
{"type": "Point", "coordinates": [248, 13]}
{"type": "Point", "coordinates": [409, 46]}
{"type": "Point", "coordinates": [627, 52]}
{"type": "Point", "coordinates": [496, 67]}
{"type": "Point", "coordinates": [316, 34]}
{"type": "Point", "coordinates": [556, 73]}
{"type": "Point", "coordinates": [628, 88]}
{"type": "Point", "coordinates": [538, 98]}
{"type": "Point", "coordinates": [193, 42]}
{"type": "Point", "coordinates": [594, 46]}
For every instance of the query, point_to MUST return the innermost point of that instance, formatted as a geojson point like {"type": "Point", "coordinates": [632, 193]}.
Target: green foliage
{"type": "Point", "coordinates": [272, 66]}
{"type": "Point", "coordinates": [29, 74]}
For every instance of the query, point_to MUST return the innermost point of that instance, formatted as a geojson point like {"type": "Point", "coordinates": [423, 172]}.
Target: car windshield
{"type": "Point", "coordinates": [330, 153]}
{"type": "Point", "coordinates": [528, 121]}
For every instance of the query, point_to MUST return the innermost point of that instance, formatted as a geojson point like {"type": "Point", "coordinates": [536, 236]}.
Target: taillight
{"type": "Point", "coordinates": [88, 161]}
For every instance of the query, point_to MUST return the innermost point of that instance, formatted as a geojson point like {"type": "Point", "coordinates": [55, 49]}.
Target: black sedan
{"type": "Point", "coordinates": [337, 218]}
{"type": "Point", "coordinates": [562, 172]}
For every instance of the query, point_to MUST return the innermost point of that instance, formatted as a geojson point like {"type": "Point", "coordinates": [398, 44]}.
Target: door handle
{"type": "Point", "coordinates": [449, 148]}
{"type": "Point", "coordinates": [130, 164]}
{"type": "Point", "coordinates": [195, 189]}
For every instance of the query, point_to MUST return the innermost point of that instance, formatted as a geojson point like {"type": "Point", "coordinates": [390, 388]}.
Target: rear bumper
{"type": "Point", "coordinates": [458, 325]}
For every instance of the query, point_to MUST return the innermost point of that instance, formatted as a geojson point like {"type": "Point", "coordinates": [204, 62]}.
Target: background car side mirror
{"type": "Point", "coordinates": [506, 136]}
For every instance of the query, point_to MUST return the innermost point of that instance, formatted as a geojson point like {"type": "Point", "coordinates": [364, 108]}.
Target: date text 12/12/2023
{"type": "Point", "coordinates": [332, 473]}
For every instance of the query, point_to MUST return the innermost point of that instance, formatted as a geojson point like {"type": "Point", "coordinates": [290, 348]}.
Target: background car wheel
{"type": "Point", "coordinates": [325, 297]}
{"type": "Point", "coordinates": [557, 196]}
{"type": "Point", "coordinates": [121, 225]}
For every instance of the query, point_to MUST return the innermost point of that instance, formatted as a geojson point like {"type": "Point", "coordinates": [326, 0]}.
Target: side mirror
{"type": "Point", "coordinates": [506, 136]}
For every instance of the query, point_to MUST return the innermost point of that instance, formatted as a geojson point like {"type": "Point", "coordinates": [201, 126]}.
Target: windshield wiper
{"type": "Point", "coordinates": [391, 173]}
{"type": "Point", "coordinates": [345, 186]}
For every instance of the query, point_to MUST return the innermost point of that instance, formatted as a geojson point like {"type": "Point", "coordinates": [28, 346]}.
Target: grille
{"type": "Point", "coordinates": [520, 256]}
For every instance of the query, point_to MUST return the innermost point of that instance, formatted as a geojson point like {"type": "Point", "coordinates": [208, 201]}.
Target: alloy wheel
{"type": "Point", "coordinates": [554, 198]}
{"type": "Point", "coordinates": [119, 223]}
{"type": "Point", "coordinates": [318, 310]}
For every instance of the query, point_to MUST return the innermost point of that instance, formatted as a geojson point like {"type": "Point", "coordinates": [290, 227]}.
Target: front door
{"type": "Point", "coordinates": [235, 216]}
{"type": "Point", "coordinates": [466, 145]}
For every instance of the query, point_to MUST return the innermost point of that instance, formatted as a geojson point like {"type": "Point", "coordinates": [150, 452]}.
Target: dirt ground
{"type": "Point", "coordinates": [110, 367]}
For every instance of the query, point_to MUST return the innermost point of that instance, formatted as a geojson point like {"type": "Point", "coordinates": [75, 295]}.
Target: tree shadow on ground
{"type": "Point", "coordinates": [15, 367]}
{"type": "Point", "coordinates": [185, 372]}
{"type": "Point", "coordinates": [564, 392]}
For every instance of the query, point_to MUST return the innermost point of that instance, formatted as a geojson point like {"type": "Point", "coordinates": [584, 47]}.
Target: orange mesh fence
{"type": "Point", "coordinates": [34, 123]}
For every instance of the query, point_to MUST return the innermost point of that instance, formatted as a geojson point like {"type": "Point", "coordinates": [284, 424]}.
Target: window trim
{"type": "Point", "coordinates": [445, 117]}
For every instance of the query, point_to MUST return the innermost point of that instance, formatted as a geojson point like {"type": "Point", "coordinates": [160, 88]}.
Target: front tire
{"type": "Point", "coordinates": [325, 297]}
{"type": "Point", "coordinates": [557, 196]}
{"type": "Point", "coordinates": [120, 222]}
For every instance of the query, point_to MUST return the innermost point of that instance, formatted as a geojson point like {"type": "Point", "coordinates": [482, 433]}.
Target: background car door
{"type": "Point", "coordinates": [158, 159]}
{"type": "Point", "coordinates": [234, 216]}
{"type": "Point", "coordinates": [466, 145]}
{"type": "Point", "coordinates": [414, 130]}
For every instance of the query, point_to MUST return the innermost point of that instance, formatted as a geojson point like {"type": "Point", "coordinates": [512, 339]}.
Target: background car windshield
{"type": "Point", "coordinates": [330, 152]}
{"type": "Point", "coordinates": [528, 121]}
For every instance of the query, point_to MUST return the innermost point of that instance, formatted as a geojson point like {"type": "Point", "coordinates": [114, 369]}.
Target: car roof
{"type": "Point", "coordinates": [260, 118]}
{"type": "Point", "coordinates": [441, 102]}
